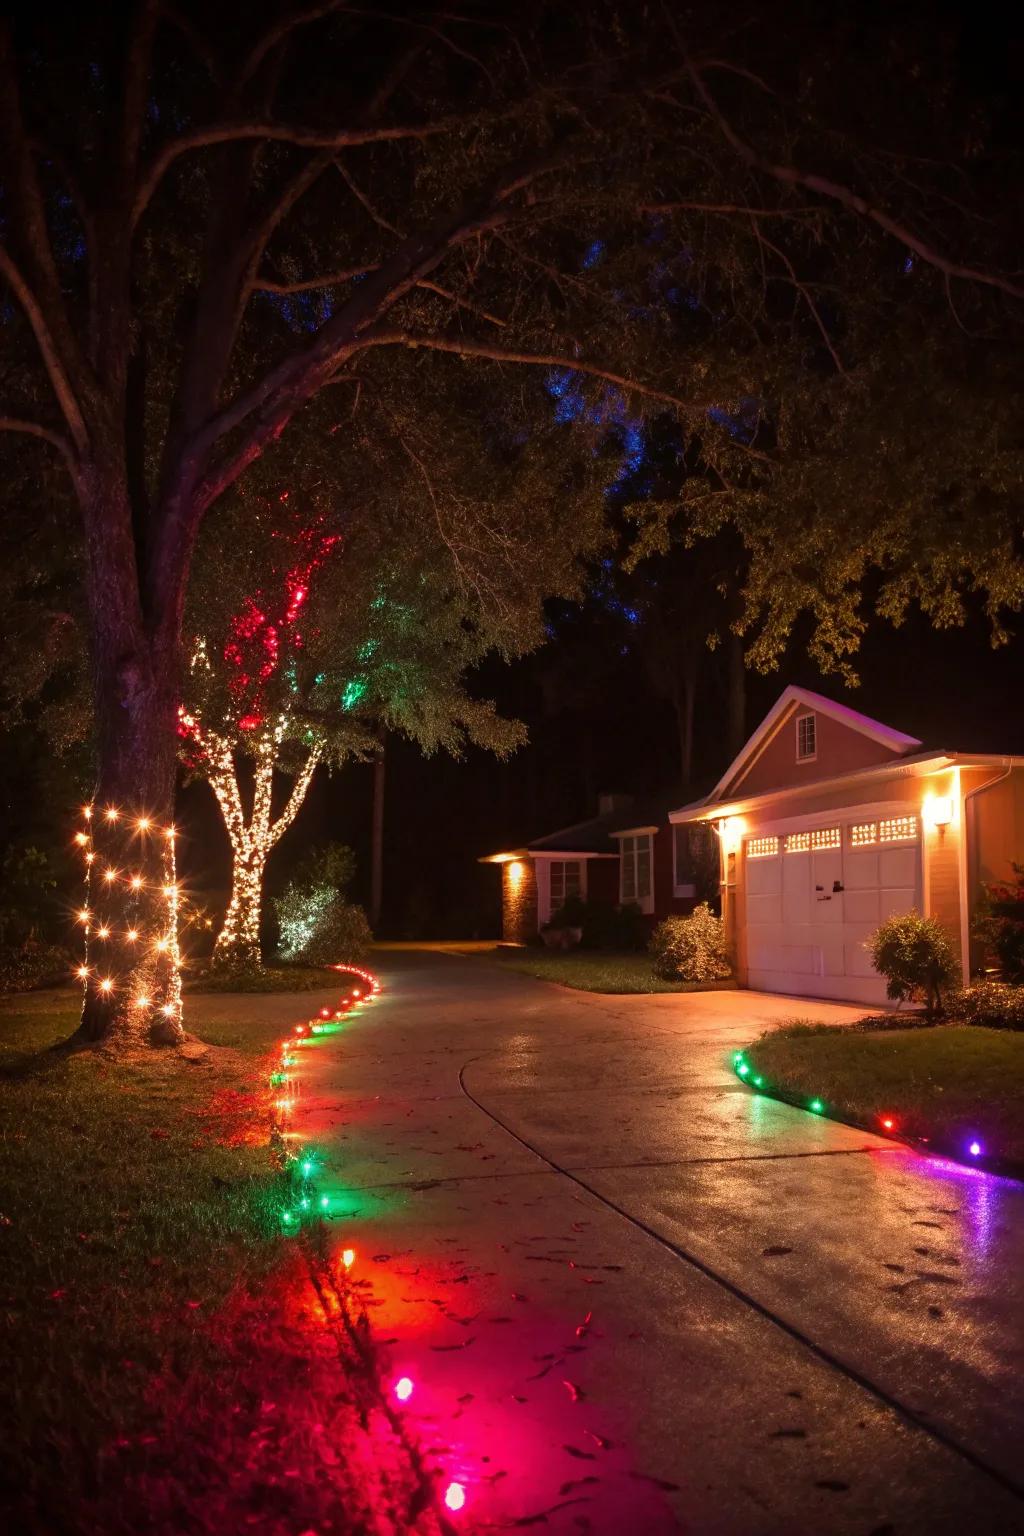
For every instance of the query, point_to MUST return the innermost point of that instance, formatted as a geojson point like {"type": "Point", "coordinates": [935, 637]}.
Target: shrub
{"type": "Point", "coordinates": [999, 923]}
{"type": "Point", "coordinates": [691, 948]}
{"type": "Point", "coordinates": [318, 926]}
{"type": "Point", "coordinates": [602, 926]}
{"type": "Point", "coordinates": [34, 965]}
{"type": "Point", "coordinates": [992, 1004]}
{"type": "Point", "coordinates": [915, 956]}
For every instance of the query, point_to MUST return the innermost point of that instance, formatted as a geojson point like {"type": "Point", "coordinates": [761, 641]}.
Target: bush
{"type": "Point", "coordinates": [602, 925]}
{"type": "Point", "coordinates": [318, 926]}
{"type": "Point", "coordinates": [992, 1004]}
{"type": "Point", "coordinates": [915, 955]}
{"type": "Point", "coordinates": [999, 923]}
{"type": "Point", "coordinates": [34, 965]}
{"type": "Point", "coordinates": [691, 948]}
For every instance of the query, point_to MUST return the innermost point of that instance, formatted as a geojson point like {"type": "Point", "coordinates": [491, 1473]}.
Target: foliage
{"type": "Point", "coordinates": [999, 923]}
{"type": "Point", "coordinates": [916, 957]}
{"type": "Point", "coordinates": [597, 971]}
{"type": "Point", "coordinates": [693, 948]}
{"type": "Point", "coordinates": [570, 914]}
{"type": "Point", "coordinates": [262, 979]}
{"type": "Point", "coordinates": [993, 1004]}
{"type": "Point", "coordinates": [31, 964]}
{"type": "Point", "coordinates": [947, 1083]}
{"type": "Point", "coordinates": [318, 926]}
{"type": "Point", "coordinates": [606, 926]}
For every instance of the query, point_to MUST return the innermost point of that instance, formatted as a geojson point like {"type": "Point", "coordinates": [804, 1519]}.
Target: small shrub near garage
{"type": "Point", "coordinates": [691, 948]}
{"type": "Point", "coordinates": [992, 1004]}
{"type": "Point", "coordinates": [602, 925]}
{"type": "Point", "coordinates": [915, 955]}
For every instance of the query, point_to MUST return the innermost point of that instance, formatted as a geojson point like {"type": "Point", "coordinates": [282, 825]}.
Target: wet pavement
{"type": "Point", "coordinates": [634, 1296]}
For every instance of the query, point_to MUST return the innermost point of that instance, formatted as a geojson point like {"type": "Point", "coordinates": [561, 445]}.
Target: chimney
{"type": "Point", "coordinates": [608, 805]}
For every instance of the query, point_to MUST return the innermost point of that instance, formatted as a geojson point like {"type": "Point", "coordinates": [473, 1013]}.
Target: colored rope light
{"type": "Point", "coordinates": [885, 1123]}
{"type": "Point", "coordinates": [455, 1497]}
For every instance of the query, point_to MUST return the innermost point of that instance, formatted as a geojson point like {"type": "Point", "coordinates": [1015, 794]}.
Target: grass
{"type": "Point", "coordinates": [162, 1364]}
{"type": "Point", "coordinates": [269, 978]}
{"type": "Point", "coordinates": [597, 971]}
{"type": "Point", "coordinates": [950, 1084]}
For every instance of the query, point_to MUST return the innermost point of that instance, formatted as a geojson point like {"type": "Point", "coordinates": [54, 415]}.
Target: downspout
{"type": "Point", "coordinates": [965, 926]}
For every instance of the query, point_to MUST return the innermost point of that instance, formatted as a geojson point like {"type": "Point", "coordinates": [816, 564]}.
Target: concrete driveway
{"type": "Point", "coordinates": [635, 1297]}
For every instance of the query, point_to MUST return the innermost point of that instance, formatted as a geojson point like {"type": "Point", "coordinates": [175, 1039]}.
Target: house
{"type": "Point", "coordinates": [828, 822]}
{"type": "Point", "coordinates": [628, 852]}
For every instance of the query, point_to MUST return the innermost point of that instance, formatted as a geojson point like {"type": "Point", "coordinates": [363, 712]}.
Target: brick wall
{"type": "Point", "coordinates": [519, 901]}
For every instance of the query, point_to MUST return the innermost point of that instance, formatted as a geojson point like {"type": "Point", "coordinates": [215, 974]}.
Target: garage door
{"type": "Point", "coordinates": [815, 895]}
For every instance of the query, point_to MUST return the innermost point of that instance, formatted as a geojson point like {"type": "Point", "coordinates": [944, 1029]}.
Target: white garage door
{"type": "Point", "coordinates": [814, 897]}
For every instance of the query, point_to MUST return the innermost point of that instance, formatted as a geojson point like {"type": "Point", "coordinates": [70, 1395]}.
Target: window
{"type": "Point", "coordinates": [863, 834]}
{"type": "Point", "coordinates": [635, 870]}
{"type": "Point", "coordinates": [897, 829]}
{"type": "Point", "coordinates": [689, 853]}
{"type": "Point", "coordinates": [806, 738]}
{"type": "Point", "coordinates": [566, 881]}
{"type": "Point", "coordinates": [826, 837]}
{"type": "Point", "coordinates": [797, 842]}
{"type": "Point", "coordinates": [762, 847]}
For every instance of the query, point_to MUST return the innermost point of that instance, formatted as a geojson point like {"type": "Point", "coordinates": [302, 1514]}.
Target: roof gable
{"type": "Point", "coordinates": [857, 737]}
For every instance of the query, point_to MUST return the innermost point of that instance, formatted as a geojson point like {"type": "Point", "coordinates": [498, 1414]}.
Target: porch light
{"type": "Point", "coordinates": [730, 831]}
{"type": "Point", "coordinates": [515, 872]}
{"type": "Point", "coordinates": [937, 810]}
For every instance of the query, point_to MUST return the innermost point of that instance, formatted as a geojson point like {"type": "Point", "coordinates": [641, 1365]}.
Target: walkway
{"type": "Point", "coordinates": [635, 1297]}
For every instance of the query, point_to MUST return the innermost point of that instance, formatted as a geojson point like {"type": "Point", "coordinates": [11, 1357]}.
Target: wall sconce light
{"type": "Point", "coordinates": [515, 872]}
{"type": "Point", "coordinates": [937, 810]}
{"type": "Point", "coordinates": [730, 831]}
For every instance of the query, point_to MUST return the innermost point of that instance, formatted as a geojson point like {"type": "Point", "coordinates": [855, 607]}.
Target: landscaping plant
{"type": "Point", "coordinates": [693, 948]}
{"type": "Point", "coordinates": [993, 1004]}
{"type": "Point", "coordinates": [999, 923]}
{"type": "Point", "coordinates": [915, 956]}
{"type": "Point", "coordinates": [318, 925]}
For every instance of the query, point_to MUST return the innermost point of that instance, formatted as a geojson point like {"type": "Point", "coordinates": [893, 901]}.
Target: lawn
{"type": "Point", "coordinates": [590, 970]}
{"type": "Point", "coordinates": [164, 1367]}
{"type": "Point", "coordinates": [951, 1084]}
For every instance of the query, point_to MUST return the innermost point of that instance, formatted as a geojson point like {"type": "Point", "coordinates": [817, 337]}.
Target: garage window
{"type": "Point", "coordinates": [762, 847]}
{"type": "Point", "coordinates": [897, 829]}
{"type": "Point", "coordinates": [797, 842]}
{"type": "Point", "coordinates": [863, 834]}
{"type": "Point", "coordinates": [826, 837]}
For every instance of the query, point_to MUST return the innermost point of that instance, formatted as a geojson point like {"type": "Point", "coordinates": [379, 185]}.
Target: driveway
{"type": "Point", "coordinates": [635, 1296]}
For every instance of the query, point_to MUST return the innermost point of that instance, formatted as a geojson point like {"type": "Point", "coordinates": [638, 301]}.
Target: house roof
{"type": "Point", "coordinates": [595, 836]}
{"type": "Point", "coordinates": [894, 741]}
{"type": "Point", "coordinates": [914, 765]}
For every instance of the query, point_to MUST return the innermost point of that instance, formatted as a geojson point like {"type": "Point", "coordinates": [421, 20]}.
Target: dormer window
{"type": "Point", "coordinates": [806, 739]}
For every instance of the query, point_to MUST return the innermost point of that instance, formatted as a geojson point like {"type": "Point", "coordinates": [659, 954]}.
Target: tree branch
{"type": "Point", "coordinates": [52, 362]}
{"type": "Point", "coordinates": [791, 175]}
{"type": "Point", "coordinates": [328, 280]}
{"type": "Point", "coordinates": [460, 346]}
{"type": "Point", "coordinates": [47, 434]}
{"type": "Point", "coordinates": [297, 795]}
{"type": "Point", "coordinates": [728, 208]}
{"type": "Point", "coordinates": [805, 294]}
{"type": "Point", "coordinates": [279, 133]}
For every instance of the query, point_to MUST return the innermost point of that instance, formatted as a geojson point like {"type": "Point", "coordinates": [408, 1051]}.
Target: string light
{"type": "Point", "coordinates": [82, 972]}
{"type": "Point", "coordinates": [975, 1149]}
{"type": "Point", "coordinates": [110, 875]}
{"type": "Point", "coordinates": [348, 1257]}
{"type": "Point", "coordinates": [132, 935]}
{"type": "Point", "coordinates": [81, 839]}
{"type": "Point", "coordinates": [143, 823]}
{"type": "Point", "coordinates": [142, 1002]}
{"type": "Point", "coordinates": [83, 916]}
{"type": "Point", "coordinates": [106, 985]}
{"type": "Point", "coordinates": [103, 933]}
{"type": "Point", "coordinates": [455, 1497]}
{"type": "Point", "coordinates": [136, 882]}
{"type": "Point", "coordinates": [87, 812]}
{"type": "Point", "coordinates": [403, 1388]}
{"type": "Point", "coordinates": [112, 813]}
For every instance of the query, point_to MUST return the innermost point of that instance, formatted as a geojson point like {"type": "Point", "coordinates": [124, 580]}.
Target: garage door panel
{"type": "Point", "coordinates": [861, 870]}
{"type": "Point", "coordinates": [863, 907]}
{"type": "Point", "coordinates": [898, 867]}
{"type": "Point", "coordinates": [764, 909]}
{"type": "Point", "coordinates": [764, 876]}
{"type": "Point", "coordinates": [858, 959]}
{"type": "Point", "coordinates": [895, 903]}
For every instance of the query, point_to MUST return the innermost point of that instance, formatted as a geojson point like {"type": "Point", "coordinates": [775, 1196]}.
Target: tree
{"type": "Point", "coordinates": [358, 623]}
{"type": "Point", "coordinates": [171, 182]}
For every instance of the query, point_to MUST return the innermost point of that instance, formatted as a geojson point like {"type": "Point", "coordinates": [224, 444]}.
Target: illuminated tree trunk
{"type": "Point", "coordinates": [252, 837]}
{"type": "Point", "coordinates": [129, 968]}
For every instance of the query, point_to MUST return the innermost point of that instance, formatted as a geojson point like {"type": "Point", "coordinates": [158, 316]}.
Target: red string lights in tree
{"type": "Point", "coordinates": [263, 638]}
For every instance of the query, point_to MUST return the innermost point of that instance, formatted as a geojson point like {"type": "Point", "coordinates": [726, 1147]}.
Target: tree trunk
{"type": "Point", "coordinates": [377, 841]}
{"type": "Point", "coordinates": [238, 943]}
{"type": "Point", "coordinates": [132, 989]}
{"type": "Point", "coordinates": [736, 721]}
{"type": "Point", "coordinates": [684, 700]}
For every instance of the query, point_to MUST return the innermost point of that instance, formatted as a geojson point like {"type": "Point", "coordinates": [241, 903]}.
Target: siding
{"type": "Point", "coordinates": [840, 749]}
{"type": "Point", "coordinates": [519, 901]}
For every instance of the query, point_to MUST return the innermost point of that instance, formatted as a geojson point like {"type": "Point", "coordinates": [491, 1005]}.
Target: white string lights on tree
{"type": "Point", "coordinates": [251, 839]}
{"type": "Point", "coordinates": [130, 918]}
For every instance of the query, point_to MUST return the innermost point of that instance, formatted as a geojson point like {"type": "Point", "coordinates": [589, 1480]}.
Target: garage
{"type": "Point", "coordinates": [815, 891]}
